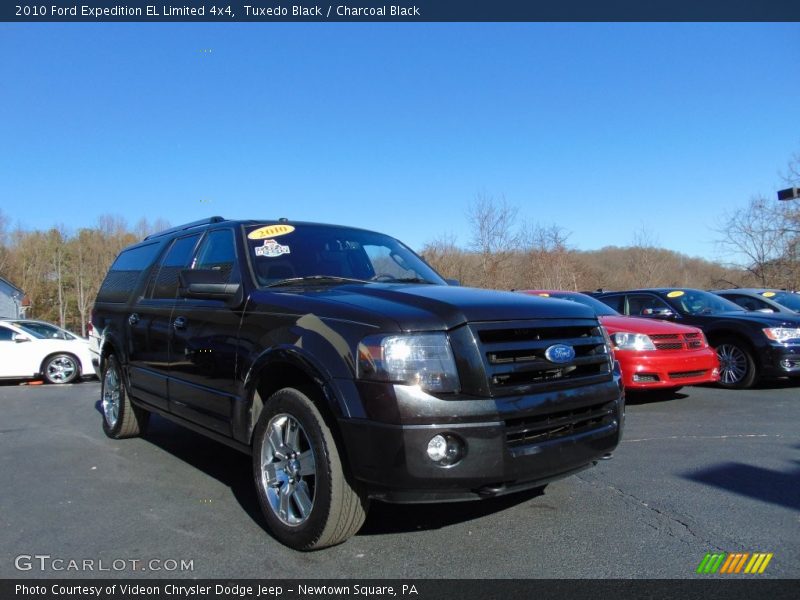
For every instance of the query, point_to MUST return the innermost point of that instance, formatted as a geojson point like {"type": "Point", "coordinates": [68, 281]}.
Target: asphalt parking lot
{"type": "Point", "coordinates": [706, 471]}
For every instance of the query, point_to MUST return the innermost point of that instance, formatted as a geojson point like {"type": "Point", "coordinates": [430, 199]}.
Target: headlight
{"type": "Point", "coordinates": [632, 341]}
{"type": "Point", "coordinates": [425, 360]}
{"type": "Point", "coordinates": [782, 334]}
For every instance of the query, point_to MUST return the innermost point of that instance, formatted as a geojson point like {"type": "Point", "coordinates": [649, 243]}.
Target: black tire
{"type": "Point", "coordinates": [737, 367]}
{"type": "Point", "coordinates": [61, 369]}
{"type": "Point", "coordinates": [305, 492]}
{"type": "Point", "coordinates": [121, 419]}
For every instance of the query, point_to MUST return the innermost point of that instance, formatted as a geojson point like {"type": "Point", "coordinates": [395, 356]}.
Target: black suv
{"type": "Point", "coordinates": [350, 370]}
{"type": "Point", "coordinates": [750, 344]}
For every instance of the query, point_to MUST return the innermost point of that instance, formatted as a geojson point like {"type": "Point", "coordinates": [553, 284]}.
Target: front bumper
{"type": "Point", "coordinates": [782, 360]}
{"type": "Point", "coordinates": [510, 444]}
{"type": "Point", "coordinates": [668, 369]}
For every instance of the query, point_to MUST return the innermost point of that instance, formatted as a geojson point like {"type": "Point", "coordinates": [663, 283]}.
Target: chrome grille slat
{"type": "Point", "coordinates": [514, 355]}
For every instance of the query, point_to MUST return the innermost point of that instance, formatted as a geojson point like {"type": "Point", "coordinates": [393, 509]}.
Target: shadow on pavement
{"type": "Point", "coordinates": [234, 469]}
{"type": "Point", "coordinates": [228, 466]}
{"type": "Point", "coordinates": [767, 485]}
{"type": "Point", "coordinates": [653, 396]}
{"type": "Point", "coordinates": [400, 518]}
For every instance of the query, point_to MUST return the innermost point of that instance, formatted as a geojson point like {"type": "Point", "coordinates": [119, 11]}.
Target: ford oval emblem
{"type": "Point", "coordinates": [560, 353]}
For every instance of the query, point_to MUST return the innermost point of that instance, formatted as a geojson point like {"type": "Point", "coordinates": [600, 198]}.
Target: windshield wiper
{"type": "Point", "coordinates": [401, 280]}
{"type": "Point", "coordinates": [315, 279]}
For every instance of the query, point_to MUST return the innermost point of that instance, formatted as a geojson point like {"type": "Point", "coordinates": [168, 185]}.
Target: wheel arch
{"type": "Point", "coordinates": [280, 368]}
{"type": "Point", "coordinates": [717, 336]}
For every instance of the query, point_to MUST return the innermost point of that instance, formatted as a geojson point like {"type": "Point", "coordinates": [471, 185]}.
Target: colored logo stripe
{"type": "Point", "coordinates": [711, 562]}
{"type": "Point", "coordinates": [758, 563]}
{"type": "Point", "coordinates": [734, 562]}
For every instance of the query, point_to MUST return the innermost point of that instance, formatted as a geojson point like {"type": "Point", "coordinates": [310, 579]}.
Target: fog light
{"type": "Point", "coordinates": [445, 449]}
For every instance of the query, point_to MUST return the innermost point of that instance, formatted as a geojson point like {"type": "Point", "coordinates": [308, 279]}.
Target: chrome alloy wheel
{"type": "Point", "coordinates": [112, 393]}
{"type": "Point", "coordinates": [732, 364]}
{"type": "Point", "coordinates": [288, 470]}
{"type": "Point", "coordinates": [61, 369]}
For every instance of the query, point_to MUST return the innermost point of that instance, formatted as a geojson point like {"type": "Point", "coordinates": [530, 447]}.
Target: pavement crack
{"type": "Point", "coordinates": [659, 512]}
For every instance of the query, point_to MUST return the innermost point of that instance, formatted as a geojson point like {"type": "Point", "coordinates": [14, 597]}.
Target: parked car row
{"type": "Point", "coordinates": [751, 344]}
{"type": "Point", "coordinates": [38, 350]}
{"type": "Point", "coordinates": [763, 300]}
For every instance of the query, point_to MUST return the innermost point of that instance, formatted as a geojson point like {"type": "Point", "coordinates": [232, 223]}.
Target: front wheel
{"type": "Point", "coordinates": [61, 368]}
{"type": "Point", "coordinates": [306, 495]}
{"type": "Point", "coordinates": [737, 368]}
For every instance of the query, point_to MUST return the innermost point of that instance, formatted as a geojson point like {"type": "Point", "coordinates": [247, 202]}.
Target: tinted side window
{"type": "Point", "coordinates": [5, 334]}
{"type": "Point", "coordinates": [645, 304]}
{"type": "Point", "coordinates": [748, 302]}
{"type": "Point", "coordinates": [615, 302]}
{"type": "Point", "coordinates": [164, 282]}
{"type": "Point", "coordinates": [217, 253]}
{"type": "Point", "coordinates": [124, 274]}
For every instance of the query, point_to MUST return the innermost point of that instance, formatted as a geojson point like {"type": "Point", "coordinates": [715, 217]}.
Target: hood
{"type": "Point", "coordinates": [616, 323]}
{"type": "Point", "coordinates": [424, 307]}
{"type": "Point", "coordinates": [766, 319]}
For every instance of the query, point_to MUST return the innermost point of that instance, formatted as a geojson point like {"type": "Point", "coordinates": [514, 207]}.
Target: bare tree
{"type": "Point", "coordinates": [758, 235]}
{"type": "Point", "coordinates": [494, 237]}
{"type": "Point", "coordinates": [547, 262]}
{"type": "Point", "coordinates": [448, 259]}
{"type": "Point", "coordinates": [647, 261]}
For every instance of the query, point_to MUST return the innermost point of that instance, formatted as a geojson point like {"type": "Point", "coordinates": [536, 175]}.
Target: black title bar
{"type": "Point", "coordinates": [94, 11]}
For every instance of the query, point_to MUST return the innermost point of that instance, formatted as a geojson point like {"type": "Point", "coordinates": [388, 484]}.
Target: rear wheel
{"type": "Point", "coordinates": [61, 368]}
{"type": "Point", "coordinates": [305, 493]}
{"type": "Point", "coordinates": [737, 368]}
{"type": "Point", "coordinates": [121, 419]}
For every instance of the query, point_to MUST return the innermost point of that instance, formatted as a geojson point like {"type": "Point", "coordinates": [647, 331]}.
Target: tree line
{"type": "Point", "coordinates": [60, 271]}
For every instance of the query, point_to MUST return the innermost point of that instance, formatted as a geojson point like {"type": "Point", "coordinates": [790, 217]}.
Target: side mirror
{"type": "Point", "coordinates": [18, 337]}
{"type": "Point", "coordinates": [658, 313]}
{"type": "Point", "coordinates": [208, 284]}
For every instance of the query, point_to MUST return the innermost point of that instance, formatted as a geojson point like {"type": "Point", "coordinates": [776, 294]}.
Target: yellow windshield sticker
{"type": "Point", "coordinates": [676, 294]}
{"type": "Point", "coordinates": [768, 294]}
{"type": "Point", "coordinates": [269, 231]}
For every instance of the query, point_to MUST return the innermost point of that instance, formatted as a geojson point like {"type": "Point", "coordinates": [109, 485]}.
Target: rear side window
{"type": "Point", "coordinates": [124, 274]}
{"type": "Point", "coordinates": [164, 283]}
{"type": "Point", "coordinates": [747, 302]}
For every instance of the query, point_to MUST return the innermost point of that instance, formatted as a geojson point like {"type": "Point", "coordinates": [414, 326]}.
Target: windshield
{"type": "Point", "coordinates": [787, 299]}
{"type": "Point", "coordinates": [281, 252]}
{"type": "Point", "coordinates": [600, 308]}
{"type": "Point", "coordinates": [44, 330]}
{"type": "Point", "coordinates": [698, 302]}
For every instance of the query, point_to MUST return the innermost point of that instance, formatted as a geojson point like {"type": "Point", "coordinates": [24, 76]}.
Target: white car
{"type": "Point", "coordinates": [34, 349]}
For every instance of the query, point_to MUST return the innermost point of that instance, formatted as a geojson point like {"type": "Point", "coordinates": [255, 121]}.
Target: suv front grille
{"type": "Point", "coordinates": [541, 428]}
{"type": "Point", "coordinates": [515, 362]}
{"type": "Point", "coordinates": [682, 341]}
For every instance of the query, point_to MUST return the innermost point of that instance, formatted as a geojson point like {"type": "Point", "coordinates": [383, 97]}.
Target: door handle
{"type": "Point", "coordinates": [179, 323]}
{"type": "Point", "coordinates": [133, 319]}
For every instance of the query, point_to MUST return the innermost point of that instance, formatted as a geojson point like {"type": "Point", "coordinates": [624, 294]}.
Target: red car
{"type": "Point", "coordinates": [653, 354]}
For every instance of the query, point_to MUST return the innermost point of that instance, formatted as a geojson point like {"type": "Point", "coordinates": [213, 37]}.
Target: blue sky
{"type": "Point", "coordinates": [602, 129]}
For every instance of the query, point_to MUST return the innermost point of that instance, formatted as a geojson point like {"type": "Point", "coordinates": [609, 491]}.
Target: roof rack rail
{"type": "Point", "coordinates": [207, 221]}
